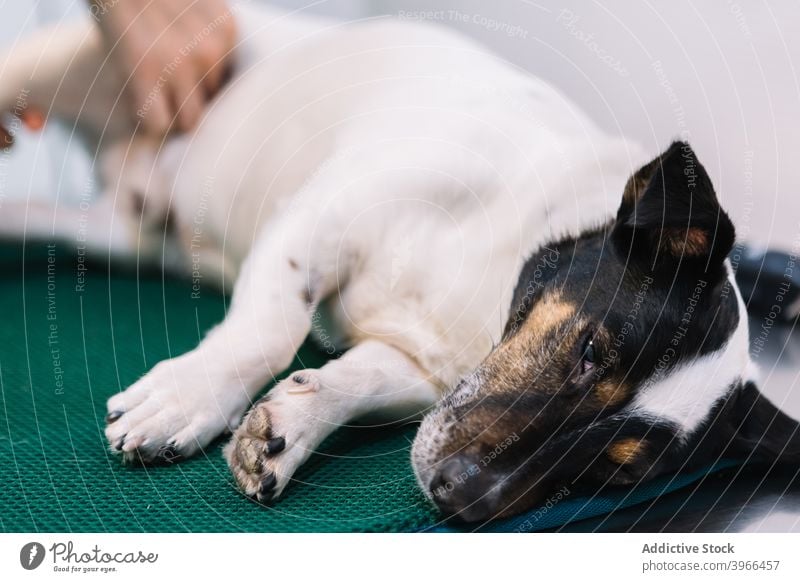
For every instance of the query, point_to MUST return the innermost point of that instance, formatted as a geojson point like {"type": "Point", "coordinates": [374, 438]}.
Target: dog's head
{"type": "Point", "coordinates": [625, 355]}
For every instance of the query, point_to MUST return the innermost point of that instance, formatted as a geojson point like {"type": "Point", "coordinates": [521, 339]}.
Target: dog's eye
{"type": "Point", "coordinates": [588, 358]}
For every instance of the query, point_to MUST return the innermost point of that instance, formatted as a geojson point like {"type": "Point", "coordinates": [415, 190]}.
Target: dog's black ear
{"type": "Point", "coordinates": [759, 431]}
{"type": "Point", "coordinates": [670, 212]}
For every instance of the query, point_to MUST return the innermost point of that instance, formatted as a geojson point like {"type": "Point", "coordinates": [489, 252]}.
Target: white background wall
{"type": "Point", "coordinates": [728, 78]}
{"type": "Point", "coordinates": [732, 68]}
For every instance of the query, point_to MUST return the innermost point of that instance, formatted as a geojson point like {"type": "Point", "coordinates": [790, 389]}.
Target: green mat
{"type": "Point", "coordinates": [72, 337]}
{"type": "Point", "coordinates": [64, 351]}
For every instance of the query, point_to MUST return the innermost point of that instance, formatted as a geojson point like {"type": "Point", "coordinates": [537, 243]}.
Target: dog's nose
{"type": "Point", "coordinates": [464, 489]}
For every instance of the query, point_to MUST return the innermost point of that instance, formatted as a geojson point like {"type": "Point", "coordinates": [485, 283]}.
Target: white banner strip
{"type": "Point", "coordinates": [401, 557]}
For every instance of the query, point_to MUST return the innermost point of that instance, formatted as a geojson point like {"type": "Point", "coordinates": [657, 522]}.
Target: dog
{"type": "Point", "coordinates": [554, 305]}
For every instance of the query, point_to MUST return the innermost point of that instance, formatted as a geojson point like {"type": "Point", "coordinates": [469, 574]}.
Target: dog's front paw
{"type": "Point", "coordinates": [275, 437]}
{"type": "Point", "coordinates": [175, 410]}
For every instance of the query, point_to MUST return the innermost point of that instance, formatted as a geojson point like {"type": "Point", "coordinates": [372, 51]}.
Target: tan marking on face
{"type": "Point", "coordinates": [692, 242]}
{"type": "Point", "coordinates": [610, 393]}
{"type": "Point", "coordinates": [533, 351]}
{"type": "Point", "coordinates": [549, 314]}
{"type": "Point", "coordinates": [625, 451]}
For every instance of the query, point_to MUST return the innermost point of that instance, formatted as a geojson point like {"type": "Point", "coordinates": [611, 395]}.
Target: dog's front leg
{"type": "Point", "coordinates": [183, 403]}
{"type": "Point", "coordinates": [285, 427]}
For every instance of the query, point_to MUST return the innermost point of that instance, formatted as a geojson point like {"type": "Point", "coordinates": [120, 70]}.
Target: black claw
{"type": "Point", "coordinates": [113, 416]}
{"type": "Point", "coordinates": [266, 487]}
{"type": "Point", "coordinates": [276, 445]}
{"type": "Point", "coordinates": [119, 443]}
{"type": "Point", "coordinates": [264, 494]}
{"type": "Point", "coordinates": [299, 379]}
{"type": "Point", "coordinates": [268, 482]}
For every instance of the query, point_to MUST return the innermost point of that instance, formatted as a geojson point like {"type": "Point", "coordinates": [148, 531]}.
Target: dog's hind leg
{"type": "Point", "coordinates": [285, 427]}
{"type": "Point", "coordinates": [183, 403]}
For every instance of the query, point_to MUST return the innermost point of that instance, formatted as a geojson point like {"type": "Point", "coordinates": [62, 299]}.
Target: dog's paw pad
{"type": "Point", "coordinates": [257, 422]}
{"type": "Point", "coordinates": [275, 437]}
{"type": "Point", "coordinates": [275, 445]}
{"type": "Point", "coordinates": [248, 453]}
{"type": "Point", "coordinates": [255, 454]}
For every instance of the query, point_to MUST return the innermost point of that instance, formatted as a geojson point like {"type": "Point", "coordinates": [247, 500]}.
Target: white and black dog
{"type": "Point", "coordinates": [474, 241]}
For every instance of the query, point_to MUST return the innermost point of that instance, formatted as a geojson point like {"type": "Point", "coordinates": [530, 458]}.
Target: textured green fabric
{"type": "Point", "coordinates": [564, 507]}
{"type": "Point", "coordinates": [55, 469]}
{"type": "Point", "coordinates": [64, 350]}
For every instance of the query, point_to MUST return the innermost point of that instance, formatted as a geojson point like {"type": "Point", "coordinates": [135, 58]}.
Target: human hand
{"type": "Point", "coordinates": [173, 53]}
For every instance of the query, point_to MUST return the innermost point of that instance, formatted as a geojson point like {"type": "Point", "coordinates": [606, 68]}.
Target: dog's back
{"type": "Point", "coordinates": [488, 162]}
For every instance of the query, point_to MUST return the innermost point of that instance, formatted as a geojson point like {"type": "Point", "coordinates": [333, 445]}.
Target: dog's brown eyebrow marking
{"type": "Point", "coordinates": [293, 264]}
{"type": "Point", "coordinates": [610, 393]}
{"type": "Point", "coordinates": [626, 451]}
{"type": "Point", "coordinates": [548, 314]}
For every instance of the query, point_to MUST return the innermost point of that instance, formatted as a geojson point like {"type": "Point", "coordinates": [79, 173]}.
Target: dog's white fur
{"type": "Point", "coordinates": [686, 395]}
{"type": "Point", "coordinates": [394, 173]}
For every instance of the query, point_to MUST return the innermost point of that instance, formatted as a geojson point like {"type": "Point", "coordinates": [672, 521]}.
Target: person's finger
{"type": "Point", "coordinates": [143, 54]}
{"type": "Point", "coordinates": [158, 119]}
{"type": "Point", "coordinates": [214, 66]}
{"type": "Point", "coordinates": [187, 98]}
{"type": "Point", "coordinates": [210, 53]}
{"type": "Point", "coordinates": [230, 35]}
{"type": "Point", "coordinates": [151, 103]}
